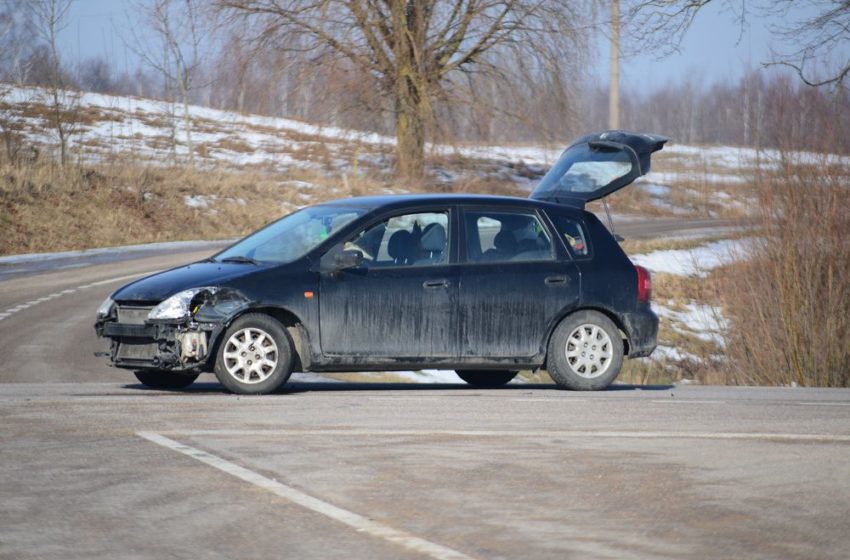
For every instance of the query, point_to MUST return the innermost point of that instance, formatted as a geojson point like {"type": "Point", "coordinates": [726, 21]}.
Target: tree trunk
{"type": "Point", "coordinates": [60, 126]}
{"type": "Point", "coordinates": [187, 121]}
{"type": "Point", "coordinates": [410, 99]}
{"type": "Point", "coordinates": [410, 132]}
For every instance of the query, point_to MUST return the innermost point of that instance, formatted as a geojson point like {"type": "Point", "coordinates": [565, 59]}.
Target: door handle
{"type": "Point", "coordinates": [556, 280]}
{"type": "Point", "coordinates": [435, 284]}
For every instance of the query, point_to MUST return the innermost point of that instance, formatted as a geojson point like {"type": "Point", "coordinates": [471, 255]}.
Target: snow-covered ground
{"type": "Point", "coordinates": [698, 261]}
{"type": "Point", "coordinates": [143, 128]}
{"type": "Point", "coordinates": [112, 124]}
{"type": "Point", "coordinates": [706, 322]}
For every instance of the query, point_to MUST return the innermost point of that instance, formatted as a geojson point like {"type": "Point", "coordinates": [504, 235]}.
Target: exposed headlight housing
{"type": "Point", "coordinates": [105, 308]}
{"type": "Point", "coordinates": [178, 306]}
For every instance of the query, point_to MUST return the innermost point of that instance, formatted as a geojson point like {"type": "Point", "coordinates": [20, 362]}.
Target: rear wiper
{"type": "Point", "coordinates": [239, 259]}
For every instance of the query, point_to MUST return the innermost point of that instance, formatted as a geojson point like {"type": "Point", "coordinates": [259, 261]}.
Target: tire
{"type": "Point", "coordinates": [585, 332]}
{"type": "Point", "coordinates": [161, 379]}
{"type": "Point", "coordinates": [256, 355]}
{"type": "Point", "coordinates": [486, 377]}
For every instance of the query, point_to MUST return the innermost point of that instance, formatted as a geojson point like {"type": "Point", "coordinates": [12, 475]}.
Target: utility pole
{"type": "Point", "coordinates": [614, 85]}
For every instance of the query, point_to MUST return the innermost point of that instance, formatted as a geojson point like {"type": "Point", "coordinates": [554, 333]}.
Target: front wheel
{"type": "Point", "coordinates": [585, 352]}
{"type": "Point", "coordinates": [486, 377]}
{"type": "Point", "coordinates": [161, 379]}
{"type": "Point", "coordinates": [256, 356]}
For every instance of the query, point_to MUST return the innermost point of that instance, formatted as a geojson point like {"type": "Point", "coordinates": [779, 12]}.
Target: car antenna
{"type": "Point", "coordinates": [619, 238]}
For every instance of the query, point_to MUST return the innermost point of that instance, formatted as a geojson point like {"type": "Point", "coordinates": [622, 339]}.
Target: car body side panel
{"type": "Point", "coordinates": [512, 315]}
{"type": "Point", "coordinates": [610, 285]}
{"type": "Point", "coordinates": [609, 278]}
{"type": "Point", "coordinates": [290, 290]}
{"type": "Point", "coordinates": [389, 312]}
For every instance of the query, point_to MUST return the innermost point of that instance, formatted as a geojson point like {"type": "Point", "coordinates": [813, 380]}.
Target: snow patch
{"type": "Point", "coordinates": [653, 189]}
{"type": "Point", "coordinates": [662, 352]}
{"type": "Point", "coordinates": [698, 261]}
{"type": "Point", "coordinates": [199, 200]}
{"type": "Point", "coordinates": [430, 376]}
{"type": "Point", "coordinates": [674, 177]}
{"type": "Point", "coordinates": [706, 322]}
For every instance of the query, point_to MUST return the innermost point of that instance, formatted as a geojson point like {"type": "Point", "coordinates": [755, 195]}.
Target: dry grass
{"type": "Point", "coordinates": [789, 304]}
{"type": "Point", "coordinates": [46, 207]}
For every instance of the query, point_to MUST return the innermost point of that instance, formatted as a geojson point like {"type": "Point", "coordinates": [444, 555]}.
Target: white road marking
{"type": "Point", "coordinates": [828, 438]}
{"type": "Point", "coordinates": [824, 403]}
{"type": "Point", "coordinates": [20, 307]}
{"type": "Point", "coordinates": [563, 400]}
{"type": "Point", "coordinates": [686, 401]}
{"type": "Point", "coordinates": [354, 520]}
{"type": "Point", "coordinates": [495, 395]}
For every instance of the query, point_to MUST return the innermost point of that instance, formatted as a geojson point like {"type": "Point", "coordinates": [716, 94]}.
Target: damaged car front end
{"type": "Point", "coordinates": [176, 334]}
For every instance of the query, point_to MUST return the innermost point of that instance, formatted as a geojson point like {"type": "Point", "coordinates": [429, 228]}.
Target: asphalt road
{"type": "Point", "coordinates": [335, 470]}
{"type": "Point", "coordinates": [94, 466]}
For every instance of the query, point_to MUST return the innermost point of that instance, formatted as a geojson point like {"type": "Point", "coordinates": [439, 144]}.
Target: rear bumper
{"type": "Point", "coordinates": [642, 331]}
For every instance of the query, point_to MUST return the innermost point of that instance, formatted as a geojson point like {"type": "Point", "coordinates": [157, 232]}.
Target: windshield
{"type": "Point", "coordinates": [584, 170]}
{"type": "Point", "coordinates": [291, 237]}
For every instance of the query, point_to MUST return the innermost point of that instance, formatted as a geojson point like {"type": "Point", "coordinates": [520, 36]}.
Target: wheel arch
{"type": "Point", "coordinates": [606, 312]}
{"type": "Point", "coordinates": [291, 322]}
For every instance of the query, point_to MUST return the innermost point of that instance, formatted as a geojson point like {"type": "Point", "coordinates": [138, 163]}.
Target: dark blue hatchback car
{"type": "Point", "coordinates": [484, 285]}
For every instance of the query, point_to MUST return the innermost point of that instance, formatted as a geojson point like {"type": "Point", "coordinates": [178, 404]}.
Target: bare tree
{"type": "Point", "coordinates": [95, 74]}
{"type": "Point", "coordinates": [661, 24]}
{"type": "Point", "coordinates": [50, 17]}
{"type": "Point", "coordinates": [177, 56]}
{"type": "Point", "coordinates": [16, 40]}
{"type": "Point", "coordinates": [413, 49]}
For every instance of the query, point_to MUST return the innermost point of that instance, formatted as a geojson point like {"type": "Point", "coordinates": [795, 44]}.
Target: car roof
{"type": "Point", "coordinates": [400, 201]}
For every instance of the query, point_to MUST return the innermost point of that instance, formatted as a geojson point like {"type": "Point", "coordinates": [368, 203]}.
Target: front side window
{"type": "Point", "coordinates": [293, 236]}
{"type": "Point", "coordinates": [497, 236]}
{"type": "Point", "coordinates": [406, 240]}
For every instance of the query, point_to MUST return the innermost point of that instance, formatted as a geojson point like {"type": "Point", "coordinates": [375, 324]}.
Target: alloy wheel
{"type": "Point", "coordinates": [588, 351]}
{"type": "Point", "coordinates": [250, 355]}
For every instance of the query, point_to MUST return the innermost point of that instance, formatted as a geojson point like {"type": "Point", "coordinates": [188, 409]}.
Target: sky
{"type": "Point", "coordinates": [714, 48]}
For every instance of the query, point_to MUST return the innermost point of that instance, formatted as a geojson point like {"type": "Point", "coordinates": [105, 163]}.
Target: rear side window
{"type": "Point", "coordinates": [573, 234]}
{"type": "Point", "coordinates": [498, 236]}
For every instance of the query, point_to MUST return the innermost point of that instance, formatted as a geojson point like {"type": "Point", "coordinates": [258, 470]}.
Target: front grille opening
{"type": "Point", "coordinates": [133, 315]}
{"type": "Point", "coordinates": [137, 349]}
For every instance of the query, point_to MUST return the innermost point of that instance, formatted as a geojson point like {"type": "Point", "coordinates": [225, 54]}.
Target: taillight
{"type": "Point", "coordinates": [644, 284]}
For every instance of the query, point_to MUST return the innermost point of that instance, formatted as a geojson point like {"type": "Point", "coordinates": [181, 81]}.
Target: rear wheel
{"type": "Point", "coordinates": [256, 355]}
{"type": "Point", "coordinates": [161, 379]}
{"type": "Point", "coordinates": [585, 352]}
{"type": "Point", "coordinates": [486, 377]}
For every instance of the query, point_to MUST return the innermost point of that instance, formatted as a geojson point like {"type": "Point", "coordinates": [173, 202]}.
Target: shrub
{"type": "Point", "coordinates": [789, 303]}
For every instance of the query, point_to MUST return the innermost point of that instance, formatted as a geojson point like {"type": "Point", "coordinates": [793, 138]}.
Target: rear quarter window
{"type": "Point", "coordinates": [574, 235]}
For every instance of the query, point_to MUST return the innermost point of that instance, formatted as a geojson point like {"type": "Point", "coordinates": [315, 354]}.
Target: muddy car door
{"type": "Point", "coordinates": [515, 281]}
{"type": "Point", "coordinates": [396, 296]}
{"type": "Point", "coordinates": [597, 165]}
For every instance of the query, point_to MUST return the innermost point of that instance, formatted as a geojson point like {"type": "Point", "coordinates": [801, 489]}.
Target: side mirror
{"type": "Point", "coordinates": [339, 259]}
{"type": "Point", "coordinates": [350, 258]}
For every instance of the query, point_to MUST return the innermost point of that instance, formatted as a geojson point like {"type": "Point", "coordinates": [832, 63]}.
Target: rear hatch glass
{"type": "Point", "coordinates": [596, 166]}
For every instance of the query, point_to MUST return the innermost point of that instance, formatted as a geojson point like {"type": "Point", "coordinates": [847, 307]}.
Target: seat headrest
{"type": "Point", "coordinates": [400, 245]}
{"type": "Point", "coordinates": [505, 241]}
{"type": "Point", "coordinates": [434, 238]}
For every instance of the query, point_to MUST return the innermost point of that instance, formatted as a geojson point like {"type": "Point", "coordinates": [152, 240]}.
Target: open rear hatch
{"type": "Point", "coordinates": [596, 165]}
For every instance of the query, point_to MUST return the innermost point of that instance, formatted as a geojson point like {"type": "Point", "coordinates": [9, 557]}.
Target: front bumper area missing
{"type": "Point", "coordinates": [183, 347]}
